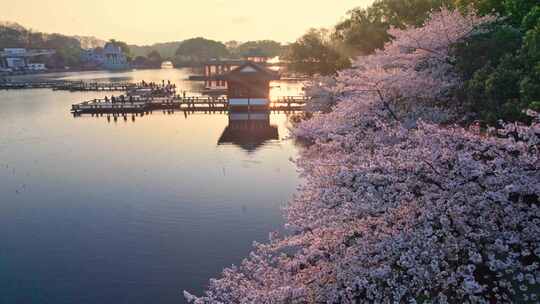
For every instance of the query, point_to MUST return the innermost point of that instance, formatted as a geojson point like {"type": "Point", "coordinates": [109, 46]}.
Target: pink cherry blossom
{"type": "Point", "coordinates": [399, 204]}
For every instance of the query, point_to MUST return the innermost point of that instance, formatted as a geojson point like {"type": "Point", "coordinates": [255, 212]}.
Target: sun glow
{"type": "Point", "coordinates": [144, 22]}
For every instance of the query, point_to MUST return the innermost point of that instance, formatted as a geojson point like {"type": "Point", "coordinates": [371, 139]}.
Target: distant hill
{"type": "Point", "coordinates": [68, 48]}
{"type": "Point", "coordinates": [182, 53]}
{"type": "Point", "coordinates": [167, 50]}
{"type": "Point", "coordinates": [87, 42]}
{"type": "Point", "coordinates": [200, 47]}
{"type": "Point", "coordinates": [12, 25]}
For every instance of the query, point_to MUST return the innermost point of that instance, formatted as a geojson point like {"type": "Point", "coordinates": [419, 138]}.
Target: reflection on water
{"type": "Point", "coordinates": [249, 130]}
{"type": "Point", "coordinates": [133, 210]}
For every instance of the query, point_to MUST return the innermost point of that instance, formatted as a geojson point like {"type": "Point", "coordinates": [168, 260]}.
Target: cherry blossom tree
{"type": "Point", "coordinates": [413, 74]}
{"type": "Point", "coordinates": [399, 205]}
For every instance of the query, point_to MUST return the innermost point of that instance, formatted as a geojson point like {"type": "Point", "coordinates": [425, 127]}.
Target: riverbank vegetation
{"type": "Point", "coordinates": [68, 49]}
{"type": "Point", "coordinates": [187, 53]}
{"type": "Point", "coordinates": [363, 31]}
{"type": "Point", "coordinates": [499, 65]}
{"type": "Point", "coordinates": [411, 194]}
{"type": "Point", "coordinates": [194, 52]}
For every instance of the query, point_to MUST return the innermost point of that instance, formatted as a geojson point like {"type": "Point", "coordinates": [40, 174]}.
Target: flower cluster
{"type": "Point", "coordinates": [396, 207]}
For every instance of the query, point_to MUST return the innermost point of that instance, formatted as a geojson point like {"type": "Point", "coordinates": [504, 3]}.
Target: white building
{"type": "Point", "coordinates": [15, 63]}
{"type": "Point", "coordinates": [36, 67]}
{"type": "Point", "coordinates": [115, 59]}
{"type": "Point", "coordinates": [15, 51]}
{"type": "Point", "coordinates": [14, 58]}
{"type": "Point", "coordinates": [18, 59]}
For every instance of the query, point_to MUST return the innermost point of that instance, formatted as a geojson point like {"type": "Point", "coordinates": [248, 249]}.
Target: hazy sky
{"type": "Point", "coordinates": [149, 21]}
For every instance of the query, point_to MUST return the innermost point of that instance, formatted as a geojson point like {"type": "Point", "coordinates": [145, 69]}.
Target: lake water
{"type": "Point", "coordinates": [94, 210]}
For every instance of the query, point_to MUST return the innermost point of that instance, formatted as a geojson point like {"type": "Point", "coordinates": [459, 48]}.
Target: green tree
{"type": "Point", "coordinates": [401, 13]}
{"type": "Point", "coordinates": [68, 49]}
{"type": "Point", "coordinates": [124, 46]}
{"type": "Point", "coordinates": [154, 56]}
{"type": "Point", "coordinates": [487, 48]}
{"type": "Point", "coordinates": [315, 53]}
{"type": "Point", "coordinates": [482, 6]}
{"type": "Point", "coordinates": [35, 39]}
{"type": "Point", "coordinates": [267, 48]}
{"type": "Point", "coordinates": [232, 45]}
{"type": "Point", "coordinates": [196, 50]}
{"type": "Point", "coordinates": [362, 32]}
{"type": "Point", "coordinates": [140, 62]}
{"type": "Point", "coordinates": [530, 84]}
{"type": "Point", "coordinates": [166, 49]}
{"type": "Point", "coordinates": [10, 37]}
{"type": "Point", "coordinates": [154, 59]}
{"type": "Point", "coordinates": [500, 64]}
{"type": "Point", "coordinates": [366, 29]}
{"type": "Point", "coordinates": [517, 10]}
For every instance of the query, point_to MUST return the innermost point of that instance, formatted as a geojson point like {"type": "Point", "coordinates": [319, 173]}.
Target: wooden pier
{"type": "Point", "coordinates": [190, 104]}
{"type": "Point", "coordinates": [20, 85]}
{"type": "Point", "coordinates": [95, 86]}
{"type": "Point", "coordinates": [72, 86]}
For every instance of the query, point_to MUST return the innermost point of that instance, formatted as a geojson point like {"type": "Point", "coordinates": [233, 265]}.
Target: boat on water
{"type": "Point", "coordinates": [167, 65]}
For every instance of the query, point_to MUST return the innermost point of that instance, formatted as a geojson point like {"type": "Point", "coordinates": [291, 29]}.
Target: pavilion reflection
{"type": "Point", "coordinates": [249, 130]}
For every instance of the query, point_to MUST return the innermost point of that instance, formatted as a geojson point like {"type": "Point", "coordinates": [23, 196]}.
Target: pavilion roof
{"type": "Point", "coordinates": [250, 70]}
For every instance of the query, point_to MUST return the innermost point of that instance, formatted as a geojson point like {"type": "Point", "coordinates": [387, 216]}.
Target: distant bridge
{"type": "Point", "coordinates": [26, 53]}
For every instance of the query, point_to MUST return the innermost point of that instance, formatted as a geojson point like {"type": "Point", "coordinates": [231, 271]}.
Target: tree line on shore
{"type": "Point", "coordinates": [192, 52]}
{"type": "Point", "coordinates": [188, 53]}
{"type": "Point", "coordinates": [68, 49]}
{"type": "Point", "coordinates": [499, 65]}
